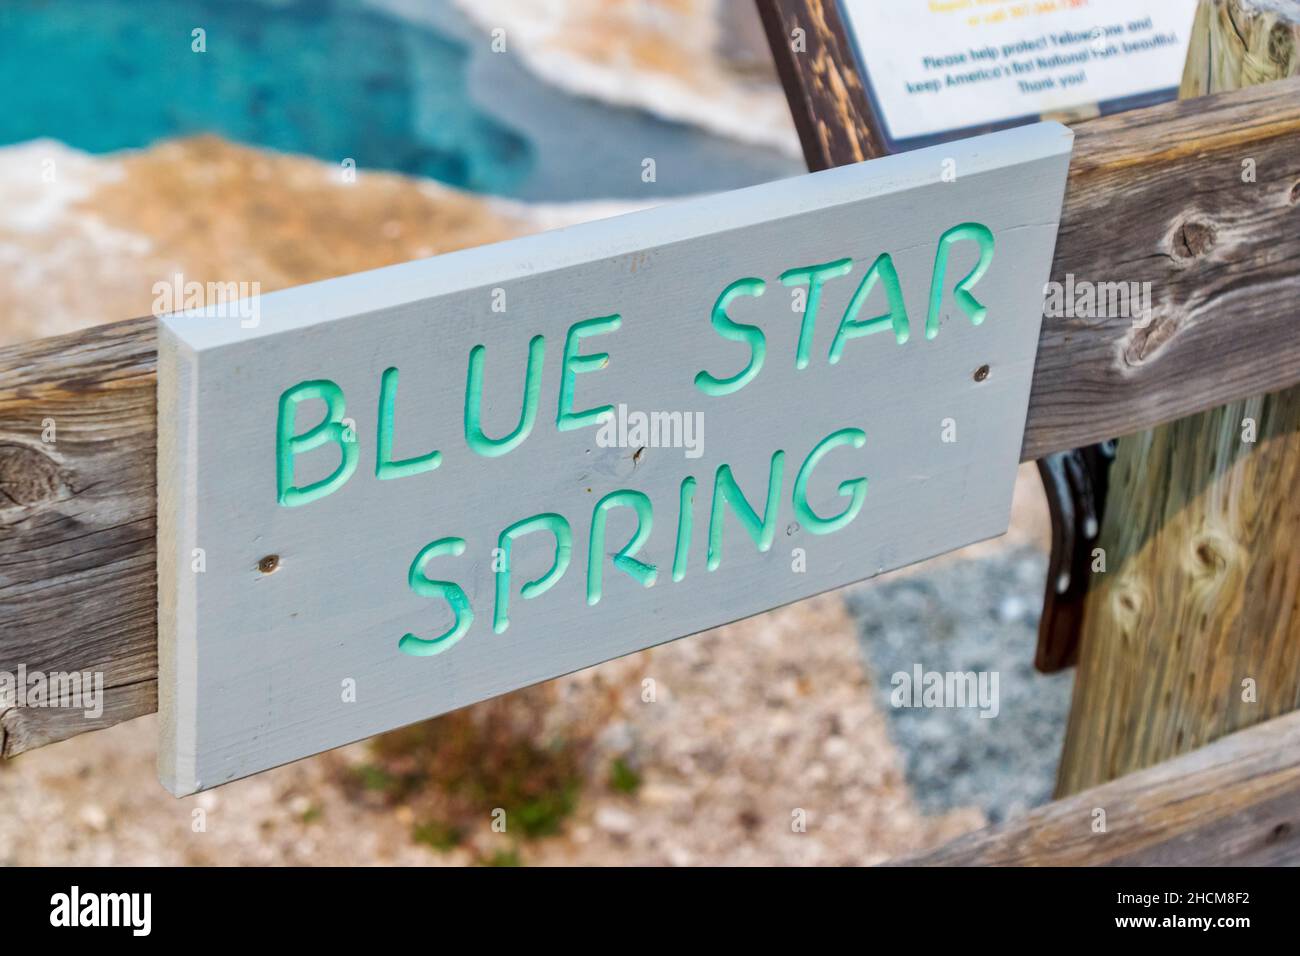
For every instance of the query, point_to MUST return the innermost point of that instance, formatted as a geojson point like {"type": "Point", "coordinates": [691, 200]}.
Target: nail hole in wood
{"type": "Point", "coordinates": [981, 373]}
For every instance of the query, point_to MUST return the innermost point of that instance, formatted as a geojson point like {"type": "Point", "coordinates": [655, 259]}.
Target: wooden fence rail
{"type": "Point", "coordinates": [1235, 802]}
{"type": "Point", "coordinates": [1154, 196]}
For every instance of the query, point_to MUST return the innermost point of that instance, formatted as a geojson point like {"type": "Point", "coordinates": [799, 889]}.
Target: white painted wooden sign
{"type": "Point", "coordinates": [393, 494]}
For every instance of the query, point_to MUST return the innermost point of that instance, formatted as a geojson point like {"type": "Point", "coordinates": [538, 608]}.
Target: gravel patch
{"type": "Point", "coordinates": [968, 616]}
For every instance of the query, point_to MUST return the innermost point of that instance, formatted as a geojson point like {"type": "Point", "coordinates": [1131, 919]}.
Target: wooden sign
{"type": "Point", "coordinates": [389, 495]}
{"type": "Point", "coordinates": [938, 70]}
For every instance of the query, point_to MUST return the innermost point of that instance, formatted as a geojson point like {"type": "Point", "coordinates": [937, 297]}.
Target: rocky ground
{"type": "Point", "coordinates": [84, 238]}
{"type": "Point", "coordinates": [751, 727]}
{"type": "Point", "coordinates": [700, 62]}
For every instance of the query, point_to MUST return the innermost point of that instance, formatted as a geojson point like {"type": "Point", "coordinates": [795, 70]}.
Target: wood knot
{"type": "Point", "coordinates": [1144, 341]}
{"type": "Point", "coordinates": [1211, 556]}
{"type": "Point", "coordinates": [1128, 604]}
{"type": "Point", "coordinates": [1295, 192]}
{"type": "Point", "coordinates": [1211, 552]}
{"type": "Point", "coordinates": [1193, 239]}
{"type": "Point", "coordinates": [28, 476]}
{"type": "Point", "coordinates": [1281, 44]}
{"type": "Point", "coordinates": [1280, 832]}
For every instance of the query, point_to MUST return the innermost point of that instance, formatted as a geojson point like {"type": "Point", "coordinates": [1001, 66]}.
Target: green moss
{"type": "Point", "coordinates": [502, 858]}
{"type": "Point", "coordinates": [438, 835]}
{"type": "Point", "coordinates": [372, 777]}
{"type": "Point", "coordinates": [459, 768]}
{"type": "Point", "coordinates": [543, 814]}
{"type": "Point", "coordinates": [622, 777]}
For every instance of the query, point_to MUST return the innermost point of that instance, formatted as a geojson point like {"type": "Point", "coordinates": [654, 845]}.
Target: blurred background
{"type": "Point", "coordinates": [285, 141]}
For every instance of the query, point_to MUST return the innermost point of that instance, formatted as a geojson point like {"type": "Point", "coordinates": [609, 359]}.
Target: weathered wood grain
{"type": "Point", "coordinates": [829, 104]}
{"type": "Point", "coordinates": [1154, 195]}
{"type": "Point", "coordinates": [1201, 590]}
{"type": "Point", "coordinates": [1240, 43]}
{"type": "Point", "coordinates": [1201, 593]}
{"type": "Point", "coordinates": [77, 522]}
{"type": "Point", "coordinates": [1235, 802]}
{"type": "Point", "coordinates": [1157, 196]}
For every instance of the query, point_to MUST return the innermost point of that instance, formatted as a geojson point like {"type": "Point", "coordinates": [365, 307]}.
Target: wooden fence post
{"type": "Point", "coordinates": [1193, 629]}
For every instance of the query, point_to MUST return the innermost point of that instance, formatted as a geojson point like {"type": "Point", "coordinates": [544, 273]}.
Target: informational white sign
{"type": "Point", "coordinates": [937, 66]}
{"type": "Point", "coordinates": [393, 494]}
